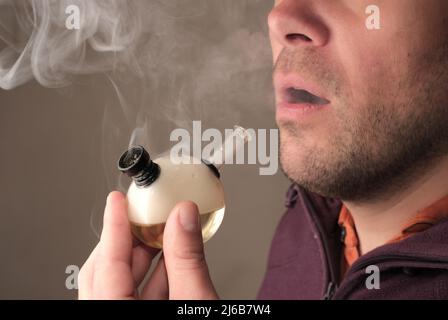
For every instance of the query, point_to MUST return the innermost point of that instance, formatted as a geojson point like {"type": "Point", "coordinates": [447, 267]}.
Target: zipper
{"type": "Point", "coordinates": [332, 285]}
{"type": "Point", "coordinates": [331, 289]}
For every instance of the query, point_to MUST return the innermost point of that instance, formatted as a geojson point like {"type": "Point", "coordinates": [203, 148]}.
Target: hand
{"type": "Point", "coordinates": [119, 263]}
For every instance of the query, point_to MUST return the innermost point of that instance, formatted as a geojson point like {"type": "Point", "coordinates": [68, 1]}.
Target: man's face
{"type": "Point", "coordinates": [360, 111]}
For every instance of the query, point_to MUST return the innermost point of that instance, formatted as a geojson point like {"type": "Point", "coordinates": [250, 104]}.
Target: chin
{"type": "Point", "coordinates": [292, 163]}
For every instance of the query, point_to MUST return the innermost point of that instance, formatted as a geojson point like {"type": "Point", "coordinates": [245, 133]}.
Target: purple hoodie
{"type": "Point", "coordinates": [305, 258]}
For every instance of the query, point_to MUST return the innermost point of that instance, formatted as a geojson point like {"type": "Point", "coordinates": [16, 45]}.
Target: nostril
{"type": "Point", "coordinates": [298, 37]}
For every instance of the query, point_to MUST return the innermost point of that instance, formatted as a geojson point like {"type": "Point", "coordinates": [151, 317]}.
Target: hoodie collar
{"type": "Point", "coordinates": [431, 244]}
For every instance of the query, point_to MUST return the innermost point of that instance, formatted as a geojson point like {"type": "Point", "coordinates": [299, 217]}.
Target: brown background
{"type": "Point", "coordinates": [59, 148]}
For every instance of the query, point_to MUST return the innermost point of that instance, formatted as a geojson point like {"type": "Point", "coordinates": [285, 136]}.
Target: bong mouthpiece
{"type": "Point", "coordinates": [137, 164]}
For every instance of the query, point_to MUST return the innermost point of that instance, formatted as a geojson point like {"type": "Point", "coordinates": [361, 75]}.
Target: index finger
{"type": "Point", "coordinates": [116, 238]}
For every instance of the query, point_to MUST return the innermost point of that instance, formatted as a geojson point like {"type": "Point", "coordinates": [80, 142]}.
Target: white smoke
{"type": "Point", "coordinates": [37, 43]}
{"type": "Point", "coordinates": [138, 36]}
{"type": "Point", "coordinates": [193, 59]}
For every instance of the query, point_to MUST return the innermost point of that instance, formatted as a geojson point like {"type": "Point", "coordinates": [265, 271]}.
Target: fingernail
{"type": "Point", "coordinates": [189, 218]}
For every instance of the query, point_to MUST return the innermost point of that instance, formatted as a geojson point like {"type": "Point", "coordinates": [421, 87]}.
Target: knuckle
{"type": "Point", "coordinates": [190, 258]}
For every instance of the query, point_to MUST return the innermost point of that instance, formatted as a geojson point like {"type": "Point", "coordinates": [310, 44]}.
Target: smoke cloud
{"type": "Point", "coordinates": [38, 44]}
{"type": "Point", "coordinates": [135, 36]}
{"type": "Point", "coordinates": [167, 62]}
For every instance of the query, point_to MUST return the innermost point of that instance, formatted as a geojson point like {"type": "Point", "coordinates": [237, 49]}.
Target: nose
{"type": "Point", "coordinates": [295, 23]}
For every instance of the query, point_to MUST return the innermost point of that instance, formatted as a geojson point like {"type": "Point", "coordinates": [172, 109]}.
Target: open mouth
{"type": "Point", "coordinates": [298, 96]}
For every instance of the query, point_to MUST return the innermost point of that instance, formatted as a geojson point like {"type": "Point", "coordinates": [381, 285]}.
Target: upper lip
{"type": "Point", "coordinates": [291, 88]}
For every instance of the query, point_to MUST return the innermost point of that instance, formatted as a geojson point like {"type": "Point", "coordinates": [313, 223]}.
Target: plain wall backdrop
{"type": "Point", "coordinates": [59, 150]}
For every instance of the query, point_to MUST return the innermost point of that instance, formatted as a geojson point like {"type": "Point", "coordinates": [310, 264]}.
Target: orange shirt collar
{"type": "Point", "coordinates": [422, 221]}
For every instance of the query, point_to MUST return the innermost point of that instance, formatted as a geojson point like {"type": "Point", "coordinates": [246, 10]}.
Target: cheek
{"type": "Point", "coordinates": [369, 76]}
{"type": "Point", "coordinates": [376, 62]}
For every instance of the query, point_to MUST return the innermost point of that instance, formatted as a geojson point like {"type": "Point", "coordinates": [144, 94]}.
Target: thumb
{"type": "Point", "coordinates": [188, 276]}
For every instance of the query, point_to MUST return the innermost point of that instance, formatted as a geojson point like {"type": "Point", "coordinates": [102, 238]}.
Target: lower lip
{"type": "Point", "coordinates": [299, 110]}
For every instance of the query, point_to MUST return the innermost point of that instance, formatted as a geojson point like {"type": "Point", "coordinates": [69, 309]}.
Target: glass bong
{"type": "Point", "coordinates": [159, 184]}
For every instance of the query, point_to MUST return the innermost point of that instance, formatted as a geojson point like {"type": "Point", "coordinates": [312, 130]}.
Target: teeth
{"type": "Point", "coordinates": [303, 96]}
